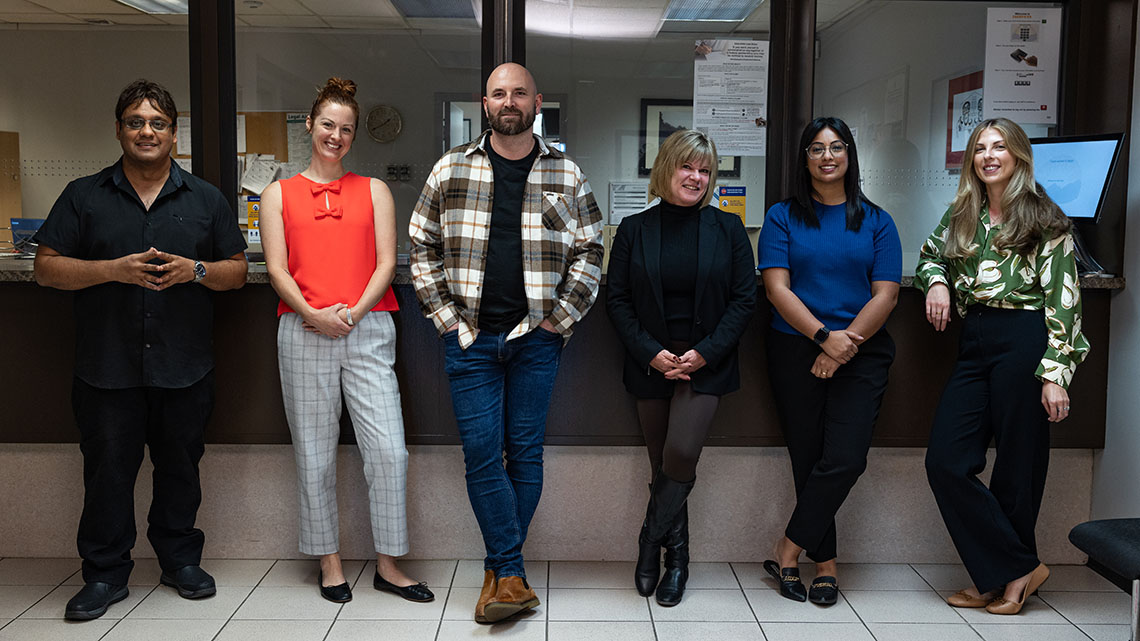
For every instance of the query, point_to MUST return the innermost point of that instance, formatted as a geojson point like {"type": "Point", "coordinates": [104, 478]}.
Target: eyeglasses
{"type": "Point", "coordinates": [815, 151]}
{"type": "Point", "coordinates": [135, 124]}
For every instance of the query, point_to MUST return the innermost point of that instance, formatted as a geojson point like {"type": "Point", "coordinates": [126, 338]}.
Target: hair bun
{"type": "Point", "coordinates": [339, 86]}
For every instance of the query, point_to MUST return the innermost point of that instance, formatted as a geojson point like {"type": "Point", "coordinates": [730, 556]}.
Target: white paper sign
{"type": "Point", "coordinates": [1023, 59]}
{"type": "Point", "coordinates": [183, 147]}
{"type": "Point", "coordinates": [730, 99]}
{"type": "Point", "coordinates": [627, 198]}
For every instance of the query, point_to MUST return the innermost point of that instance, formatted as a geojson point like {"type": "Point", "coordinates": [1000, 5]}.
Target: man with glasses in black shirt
{"type": "Point", "coordinates": [141, 243]}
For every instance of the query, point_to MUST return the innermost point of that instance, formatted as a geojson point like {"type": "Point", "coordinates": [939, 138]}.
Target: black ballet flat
{"type": "Point", "coordinates": [791, 587]}
{"type": "Point", "coordinates": [335, 593]}
{"type": "Point", "coordinates": [824, 590]}
{"type": "Point", "coordinates": [417, 592]}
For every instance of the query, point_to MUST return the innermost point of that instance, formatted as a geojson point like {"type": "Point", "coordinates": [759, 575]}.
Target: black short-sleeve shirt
{"type": "Point", "coordinates": [128, 336]}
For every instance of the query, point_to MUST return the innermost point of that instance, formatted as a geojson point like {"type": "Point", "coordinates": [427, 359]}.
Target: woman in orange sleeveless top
{"type": "Point", "coordinates": [330, 248]}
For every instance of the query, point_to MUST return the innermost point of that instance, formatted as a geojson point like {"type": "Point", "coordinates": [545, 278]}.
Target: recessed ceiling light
{"type": "Point", "coordinates": [711, 10]}
{"type": "Point", "coordinates": [158, 7]}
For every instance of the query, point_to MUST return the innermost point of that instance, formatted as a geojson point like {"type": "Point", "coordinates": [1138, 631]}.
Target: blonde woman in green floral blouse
{"type": "Point", "coordinates": [1005, 251]}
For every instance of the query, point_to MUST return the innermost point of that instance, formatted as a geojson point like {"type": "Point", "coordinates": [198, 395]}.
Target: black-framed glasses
{"type": "Point", "coordinates": [135, 124]}
{"type": "Point", "coordinates": [837, 148]}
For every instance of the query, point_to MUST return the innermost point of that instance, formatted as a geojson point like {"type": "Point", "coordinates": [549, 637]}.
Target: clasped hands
{"type": "Point", "coordinates": [839, 348]}
{"type": "Point", "coordinates": [331, 321]}
{"type": "Point", "coordinates": [137, 269]}
{"type": "Point", "coordinates": [677, 368]}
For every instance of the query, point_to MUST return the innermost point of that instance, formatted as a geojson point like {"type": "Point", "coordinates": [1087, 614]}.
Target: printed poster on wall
{"type": "Point", "coordinates": [730, 101]}
{"type": "Point", "coordinates": [1023, 62]}
{"type": "Point", "coordinates": [963, 113]}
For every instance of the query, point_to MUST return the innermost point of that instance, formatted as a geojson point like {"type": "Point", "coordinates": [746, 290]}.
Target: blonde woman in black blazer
{"type": "Point", "coordinates": [681, 291]}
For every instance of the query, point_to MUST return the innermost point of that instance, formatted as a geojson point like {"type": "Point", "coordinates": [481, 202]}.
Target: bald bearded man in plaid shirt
{"type": "Point", "coordinates": [506, 258]}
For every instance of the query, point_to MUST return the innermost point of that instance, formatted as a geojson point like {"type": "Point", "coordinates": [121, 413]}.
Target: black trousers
{"type": "Point", "coordinates": [114, 426]}
{"type": "Point", "coordinates": [827, 424]}
{"type": "Point", "coordinates": [993, 393]}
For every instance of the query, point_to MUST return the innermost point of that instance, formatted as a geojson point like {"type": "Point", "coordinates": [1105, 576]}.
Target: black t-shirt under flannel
{"type": "Point", "coordinates": [503, 303]}
{"type": "Point", "coordinates": [128, 336]}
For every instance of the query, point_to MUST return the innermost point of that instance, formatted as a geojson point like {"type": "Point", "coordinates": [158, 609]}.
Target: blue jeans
{"type": "Point", "coordinates": [501, 391]}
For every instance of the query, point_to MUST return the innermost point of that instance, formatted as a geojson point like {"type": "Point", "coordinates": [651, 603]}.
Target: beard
{"type": "Point", "coordinates": [511, 127]}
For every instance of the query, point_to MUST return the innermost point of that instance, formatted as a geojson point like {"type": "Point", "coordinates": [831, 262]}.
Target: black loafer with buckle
{"type": "Point", "coordinates": [791, 587]}
{"type": "Point", "coordinates": [191, 581]}
{"type": "Point", "coordinates": [417, 592]}
{"type": "Point", "coordinates": [824, 590]}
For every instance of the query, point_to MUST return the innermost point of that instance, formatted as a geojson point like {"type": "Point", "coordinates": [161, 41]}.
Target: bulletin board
{"type": "Point", "coordinates": [265, 133]}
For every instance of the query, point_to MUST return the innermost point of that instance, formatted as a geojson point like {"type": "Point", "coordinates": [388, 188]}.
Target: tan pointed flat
{"type": "Point", "coordinates": [963, 599]}
{"type": "Point", "coordinates": [1002, 606]}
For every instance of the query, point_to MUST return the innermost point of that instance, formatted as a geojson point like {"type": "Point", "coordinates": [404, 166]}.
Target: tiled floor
{"type": "Point", "coordinates": [278, 601]}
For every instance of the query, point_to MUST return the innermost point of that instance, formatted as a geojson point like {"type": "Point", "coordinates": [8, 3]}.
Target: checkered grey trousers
{"type": "Point", "coordinates": [313, 370]}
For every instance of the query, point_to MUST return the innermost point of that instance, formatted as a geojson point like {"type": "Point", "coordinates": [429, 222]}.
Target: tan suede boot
{"type": "Point", "coordinates": [512, 596]}
{"type": "Point", "coordinates": [485, 595]}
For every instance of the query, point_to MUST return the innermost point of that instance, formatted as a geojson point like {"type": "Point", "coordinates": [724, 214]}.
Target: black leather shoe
{"type": "Point", "coordinates": [93, 599]}
{"type": "Point", "coordinates": [824, 590]}
{"type": "Point", "coordinates": [191, 581]}
{"type": "Point", "coordinates": [335, 593]}
{"type": "Point", "coordinates": [791, 587]}
{"type": "Point", "coordinates": [417, 592]}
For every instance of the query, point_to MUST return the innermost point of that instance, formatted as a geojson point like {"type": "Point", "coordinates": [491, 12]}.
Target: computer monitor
{"type": "Point", "coordinates": [1076, 170]}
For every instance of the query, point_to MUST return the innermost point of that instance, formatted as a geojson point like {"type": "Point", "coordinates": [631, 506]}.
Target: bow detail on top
{"type": "Point", "coordinates": [321, 190]}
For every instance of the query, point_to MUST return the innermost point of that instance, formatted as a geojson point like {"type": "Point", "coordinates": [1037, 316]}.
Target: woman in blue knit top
{"type": "Point", "coordinates": [831, 263]}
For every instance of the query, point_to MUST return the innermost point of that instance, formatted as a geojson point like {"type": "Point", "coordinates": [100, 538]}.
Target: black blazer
{"type": "Point", "coordinates": [725, 297]}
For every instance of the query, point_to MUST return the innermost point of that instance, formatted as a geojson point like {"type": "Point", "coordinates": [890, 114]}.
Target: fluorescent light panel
{"type": "Point", "coordinates": [435, 8]}
{"type": "Point", "coordinates": [159, 7]}
{"type": "Point", "coordinates": [710, 10]}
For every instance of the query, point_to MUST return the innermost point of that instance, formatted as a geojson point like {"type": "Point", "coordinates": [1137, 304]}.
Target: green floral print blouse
{"type": "Point", "coordinates": [1002, 278]}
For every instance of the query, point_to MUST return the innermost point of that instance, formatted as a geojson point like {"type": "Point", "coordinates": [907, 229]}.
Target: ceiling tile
{"type": "Point", "coordinates": [41, 18]}
{"type": "Point", "coordinates": [286, 22]}
{"type": "Point", "coordinates": [86, 6]}
{"type": "Point", "coordinates": [352, 8]}
{"type": "Point", "coordinates": [182, 21]}
{"type": "Point", "coordinates": [349, 22]}
{"type": "Point", "coordinates": [120, 18]}
{"type": "Point", "coordinates": [271, 8]}
{"type": "Point", "coordinates": [21, 6]}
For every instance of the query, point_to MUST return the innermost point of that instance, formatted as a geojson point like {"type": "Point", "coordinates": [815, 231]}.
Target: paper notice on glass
{"type": "Point", "coordinates": [730, 94]}
{"type": "Point", "coordinates": [626, 199]}
{"type": "Point", "coordinates": [185, 164]}
{"type": "Point", "coordinates": [241, 133]}
{"type": "Point", "coordinates": [300, 143]}
{"type": "Point", "coordinates": [260, 172]}
{"type": "Point", "coordinates": [1023, 63]}
{"type": "Point", "coordinates": [183, 147]}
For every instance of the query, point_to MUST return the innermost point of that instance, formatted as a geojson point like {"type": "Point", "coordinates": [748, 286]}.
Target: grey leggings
{"type": "Point", "coordinates": [675, 429]}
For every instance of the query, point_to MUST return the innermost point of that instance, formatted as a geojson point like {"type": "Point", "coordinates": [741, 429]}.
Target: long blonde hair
{"type": "Point", "coordinates": [1030, 215]}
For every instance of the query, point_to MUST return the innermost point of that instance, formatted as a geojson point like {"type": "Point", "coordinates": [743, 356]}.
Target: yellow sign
{"type": "Point", "coordinates": [731, 200]}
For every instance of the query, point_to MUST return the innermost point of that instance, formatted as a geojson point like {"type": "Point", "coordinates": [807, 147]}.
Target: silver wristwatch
{"type": "Point", "coordinates": [199, 271]}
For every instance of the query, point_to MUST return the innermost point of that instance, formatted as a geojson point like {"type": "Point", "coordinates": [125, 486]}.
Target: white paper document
{"type": "Point", "coordinates": [626, 199]}
{"type": "Point", "coordinates": [1023, 63]}
{"type": "Point", "coordinates": [183, 148]}
{"type": "Point", "coordinates": [260, 172]}
{"type": "Point", "coordinates": [730, 99]}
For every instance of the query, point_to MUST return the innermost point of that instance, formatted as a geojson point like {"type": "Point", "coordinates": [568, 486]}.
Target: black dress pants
{"type": "Point", "coordinates": [993, 393]}
{"type": "Point", "coordinates": [827, 424]}
{"type": "Point", "coordinates": [114, 426]}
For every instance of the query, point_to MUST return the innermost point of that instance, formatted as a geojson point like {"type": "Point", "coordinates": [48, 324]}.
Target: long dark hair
{"type": "Point", "coordinates": [801, 200]}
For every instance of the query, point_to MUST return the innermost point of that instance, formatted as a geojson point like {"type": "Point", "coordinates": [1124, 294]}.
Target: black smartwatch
{"type": "Point", "coordinates": [821, 335]}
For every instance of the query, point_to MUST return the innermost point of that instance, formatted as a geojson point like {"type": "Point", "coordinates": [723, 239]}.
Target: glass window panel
{"type": "Point", "coordinates": [886, 68]}
{"type": "Point", "coordinates": [62, 74]}
{"type": "Point", "coordinates": [601, 60]}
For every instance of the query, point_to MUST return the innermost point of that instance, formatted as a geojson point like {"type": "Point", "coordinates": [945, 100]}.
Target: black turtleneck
{"type": "Point", "coordinates": [679, 229]}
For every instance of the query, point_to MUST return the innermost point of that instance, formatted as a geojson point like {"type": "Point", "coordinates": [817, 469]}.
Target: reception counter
{"type": "Point", "coordinates": [590, 406]}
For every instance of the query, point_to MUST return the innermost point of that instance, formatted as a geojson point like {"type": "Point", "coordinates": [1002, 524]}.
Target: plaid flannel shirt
{"type": "Point", "coordinates": [561, 241]}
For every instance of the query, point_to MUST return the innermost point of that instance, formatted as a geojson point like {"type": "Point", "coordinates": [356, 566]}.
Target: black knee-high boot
{"type": "Point", "coordinates": [672, 586]}
{"type": "Point", "coordinates": [666, 498]}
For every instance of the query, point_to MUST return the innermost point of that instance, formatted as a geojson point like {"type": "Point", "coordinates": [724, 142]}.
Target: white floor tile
{"type": "Point", "coordinates": [815, 631]}
{"type": "Point", "coordinates": [591, 574]}
{"type": "Point", "coordinates": [1034, 611]}
{"type": "Point", "coordinates": [707, 631]}
{"type": "Point", "coordinates": [371, 630]}
{"type": "Point", "coordinates": [437, 574]}
{"type": "Point", "coordinates": [942, 576]}
{"type": "Point", "coordinates": [1105, 632]}
{"type": "Point", "coordinates": [878, 576]}
{"type": "Point", "coordinates": [923, 632]}
{"type": "Point", "coordinates": [577, 604]}
{"type": "Point", "coordinates": [714, 576]}
{"type": "Point", "coordinates": [595, 630]}
{"type": "Point", "coordinates": [304, 572]}
{"type": "Point", "coordinates": [1091, 607]}
{"type": "Point", "coordinates": [753, 575]}
{"type": "Point", "coordinates": [164, 603]}
{"type": "Point", "coordinates": [287, 603]}
{"type": "Point", "coordinates": [1029, 632]}
{"type": "Point", "coordinates": [705, 605]}
{"type": "Point", "coordinates": [461, 604]}
{"type": "Point", "coordinates": [237, 572]}
{"type": "Point", "coordinates": [36, 571]}
{"type": "Point", "coordinates": [167, 630]}
{"type": "Point", "coordinates": [274, 630]}
{"type": "Point", "coordinates": [15, 599]}
{"type": "Point", "coordinates": [768, 605]}
{"type": "Point", "coordinates": [1077, 578]}
{"type": "Point", "coordinates": [368, 603]}
{"type": "Point", "coordinates": [901, 607]}
{"type": "Point", "coordinates": [516, 630]}
{"type": "Point", "coordinates": [53, 605]}
{"type": "Point", "coordinates": [57, 630]}
{"type": "Point", "coordinates": [469, 574]}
